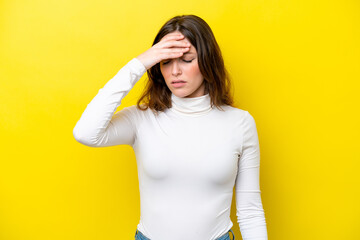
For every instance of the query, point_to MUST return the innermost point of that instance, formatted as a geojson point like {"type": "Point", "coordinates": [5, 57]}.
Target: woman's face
{"type": "Point", "coordinates": [186, 69]}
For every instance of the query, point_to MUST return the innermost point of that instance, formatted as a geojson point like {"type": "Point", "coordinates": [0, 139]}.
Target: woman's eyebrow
{"type": "Point", "coordinates": [188, 53]}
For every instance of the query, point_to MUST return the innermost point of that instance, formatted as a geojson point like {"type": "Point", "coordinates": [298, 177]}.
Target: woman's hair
{"type": "Point", "coordinates": [210, 61]}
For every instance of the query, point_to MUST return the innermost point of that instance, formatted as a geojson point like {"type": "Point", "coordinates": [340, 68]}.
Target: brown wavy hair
{"type": "Point", "coordinates": [211, 65]}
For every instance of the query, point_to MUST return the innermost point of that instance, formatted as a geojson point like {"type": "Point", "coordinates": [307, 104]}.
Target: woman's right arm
{"type": "Point", "coordinates": [98, 126]}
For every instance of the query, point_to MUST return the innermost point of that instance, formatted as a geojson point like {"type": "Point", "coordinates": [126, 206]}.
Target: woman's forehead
{"type": "Point", "coordinates": [190, 52]}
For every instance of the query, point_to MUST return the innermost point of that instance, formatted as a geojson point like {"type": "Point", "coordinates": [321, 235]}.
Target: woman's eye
{"type": "Point", "coordinates": [187, 61]}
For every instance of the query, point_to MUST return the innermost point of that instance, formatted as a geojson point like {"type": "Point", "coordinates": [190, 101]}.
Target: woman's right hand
{"type": "Point", "coordinates": [172, 45]}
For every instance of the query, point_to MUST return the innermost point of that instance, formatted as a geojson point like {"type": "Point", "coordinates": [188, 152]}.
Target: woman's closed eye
{"type": "Point", "coordinates": [187, 61]}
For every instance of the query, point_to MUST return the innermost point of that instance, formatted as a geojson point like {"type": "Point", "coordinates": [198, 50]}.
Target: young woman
{"type": "Point", "coordinates": [191, 145]}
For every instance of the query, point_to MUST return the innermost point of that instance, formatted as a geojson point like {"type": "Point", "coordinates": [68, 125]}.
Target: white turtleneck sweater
{"type": "Point", "coordinates": [189, 159]}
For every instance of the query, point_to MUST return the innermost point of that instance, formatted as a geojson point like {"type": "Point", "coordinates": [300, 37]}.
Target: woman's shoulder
{"type": "Point", "coordinates": [137, 110]}
{"type": "Point", "coordinates": [234, 110]}
{"type": "Point", "coordinates": [141, 111]}
{"type": "Point", "coordinates": [237, 114]}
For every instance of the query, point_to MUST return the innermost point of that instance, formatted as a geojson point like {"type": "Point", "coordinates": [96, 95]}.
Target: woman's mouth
{"type": "Point", "coordinates": [178, 83]}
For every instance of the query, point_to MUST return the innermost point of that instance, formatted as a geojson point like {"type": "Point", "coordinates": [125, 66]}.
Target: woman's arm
{"type": "Point", "coordinates": [98, 126]}
{"type": "Point", "coordinates": [250, 213]}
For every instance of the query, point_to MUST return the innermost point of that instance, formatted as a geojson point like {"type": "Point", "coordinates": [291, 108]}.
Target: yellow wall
{"type": "Point", "coordinates": [295, 66]}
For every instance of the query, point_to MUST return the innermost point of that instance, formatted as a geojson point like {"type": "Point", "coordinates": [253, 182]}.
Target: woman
{"type": "Point", "coordinates": [192, 147]}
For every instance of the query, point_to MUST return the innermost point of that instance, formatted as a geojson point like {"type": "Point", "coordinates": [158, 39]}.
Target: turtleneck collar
{"type": "Point", "coordinates": [191, 106]}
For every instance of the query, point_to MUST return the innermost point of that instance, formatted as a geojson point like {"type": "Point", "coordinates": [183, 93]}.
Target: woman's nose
{"type": "Point", "coordinates": [175, 68]}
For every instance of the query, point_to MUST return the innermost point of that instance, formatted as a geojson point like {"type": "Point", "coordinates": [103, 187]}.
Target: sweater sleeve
{"type": "Point", "coordinates": [249, 209]}
{"type": "Point", "coordinates": [98, 126]}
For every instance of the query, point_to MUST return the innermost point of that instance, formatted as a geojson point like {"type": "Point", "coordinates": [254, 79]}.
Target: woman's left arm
{"type": "Point", "coordinates": [249, 209]}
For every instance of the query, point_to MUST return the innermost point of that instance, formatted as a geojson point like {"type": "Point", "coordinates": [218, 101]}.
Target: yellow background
{"type": "Point", "coordinates": [295, 65]}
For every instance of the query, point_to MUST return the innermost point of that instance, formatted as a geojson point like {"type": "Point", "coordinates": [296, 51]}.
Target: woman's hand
{"type": "Point", "coordinates": [172, 45]}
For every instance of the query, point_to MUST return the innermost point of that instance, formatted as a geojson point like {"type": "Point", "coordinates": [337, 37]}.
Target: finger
{"type": "Point", "coordinates": [172, 53]}
{"type": "Point", "coordinates": [171, 50]}
{"type": "Point", "coordinates": [172, 36]}
{"type": "Point", "coordinates": [175, 43]}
